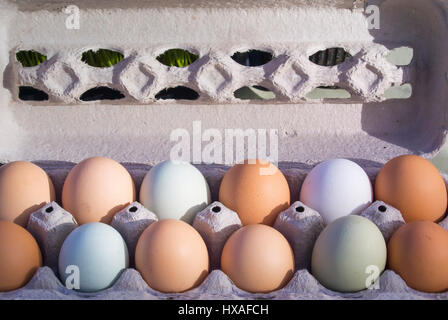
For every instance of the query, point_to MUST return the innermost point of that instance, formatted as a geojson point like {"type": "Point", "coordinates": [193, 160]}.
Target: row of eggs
{"type": "Point", "coordinates": [97, 188]}
{"type": "Point", "coordinates": [171, 255]}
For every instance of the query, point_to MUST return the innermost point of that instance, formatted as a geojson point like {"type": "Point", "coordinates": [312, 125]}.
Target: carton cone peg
{"type": "Point", "coordinates": [444, 222]}
{"type": "Point", "coordinates": [215, 224]}
{"type": "Point", "coordinates": [387, 218]}
{"type": "Point", "coordinates": [50, 225]}
{"type": "Point", "coordinates": [301, 226]}
{"type": "Point", "coordinates": [130, 223]}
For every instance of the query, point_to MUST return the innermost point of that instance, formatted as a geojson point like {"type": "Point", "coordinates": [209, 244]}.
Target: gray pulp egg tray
{"type": "Point", "coordinates": [299, 224]}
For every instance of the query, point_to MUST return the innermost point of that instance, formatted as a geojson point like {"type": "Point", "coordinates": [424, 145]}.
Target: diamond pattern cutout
{"type": "Point", "coordinates": [138, 80]}
{"type": "Point", "coordinates": [213, 79]}
{"type": "Point", "coordinates": [216, 76]}
{"type": "Point", "coordinates": [290, 79]}
{"type": "Point", "coordinates": [365, 78]}
{"type": "Point", "coordinates": [60, 79]}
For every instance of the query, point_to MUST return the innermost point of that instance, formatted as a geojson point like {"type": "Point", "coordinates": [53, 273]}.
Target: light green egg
{"type": "Point", "coordinates": [349, 255]}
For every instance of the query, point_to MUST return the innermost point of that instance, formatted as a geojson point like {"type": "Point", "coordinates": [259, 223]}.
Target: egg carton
{"type": "Point", "coordinates": [300, 225]}
{"type": "Point", "coordinates": [136, 131]}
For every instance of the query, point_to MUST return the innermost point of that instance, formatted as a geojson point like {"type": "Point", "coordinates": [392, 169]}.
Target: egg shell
{"type": "Point", "coordinates": [337, 188]}
{"type": "Point", "coordinates": [20, 256]}
{"type": "Point", "coordinates": [96, 189]}
{"type": "Point", "coordinates": [175, 190]}
{"type": "Point", "coordinates": [414, 186]}
{"type": "Point", "coordinates": [24, 188]}
{"type": "Point", "coordinates": [171, 256]}
{"type": "Point", "coordinates": [258, 258]}
{"type": "Point", "coordinates": [100, 253]}
{"type": "Point", "coordinates": [256, 190]}
{"type": "Point", "coordinates": [418, 252]}
{"type": "Point", "coordinates": [347, 252]}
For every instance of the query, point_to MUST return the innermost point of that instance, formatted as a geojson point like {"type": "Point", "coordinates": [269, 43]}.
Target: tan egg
{"type": "Point", "coordinates": [418, 252]}
{"type": "Point", "coordinates": [171, 256]}
{"type": "Point", "coordinates": [414, 186]}
{"type": "Point", "coordinates": [24, 188]}
{"type": "Point", "coordinates": [20, 256]}
{"type": "Point", "coordinates": [258, 259]}
{"type": "Point", "coordinates": [257, 191]}
{"type": "Point", "coordinates": [96, 189]}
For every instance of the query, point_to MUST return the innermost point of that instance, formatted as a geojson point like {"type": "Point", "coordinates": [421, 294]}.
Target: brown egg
{"type": "Point", "coordinates": [171, 256]}
{"type": "Point", "coordinates": [257, 191]}
{"type": "Point", "coordinates": [258, 258]}
{"type": "Point", "coordinates": [96, 189]}
{"type": "Point", "coordinates": [418, 252]}
{"type": "Point", "coordinates": [414, 186]}
{"type": "Point", "coordinates": [20, 256]}
{"type": "Point", "coordinates": [24, 188]}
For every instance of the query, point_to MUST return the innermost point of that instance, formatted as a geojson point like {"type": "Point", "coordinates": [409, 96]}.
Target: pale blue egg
{"type": "Point", "coordinates": [92, 257]}
{"type": "Point", "coordinates": [175, 190]}
{"type": "Point", "coordinates": [349, 255]}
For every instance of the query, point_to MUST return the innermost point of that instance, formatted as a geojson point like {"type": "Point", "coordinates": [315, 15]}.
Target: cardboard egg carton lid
{"type": "Point", "coordinates": [56, 4]}
{"type": "Point", "coordinates": [138, 128]}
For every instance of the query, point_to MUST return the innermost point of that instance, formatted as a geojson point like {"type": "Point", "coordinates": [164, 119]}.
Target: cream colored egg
{"type": "Point", "coordinates": [258, 259]}
{"type": "Point", "coordinates": [96, 189]}
{"type": "Point", "coordinates": [24, 188]}
{"type": "Point", "coordinates": [171, 256]}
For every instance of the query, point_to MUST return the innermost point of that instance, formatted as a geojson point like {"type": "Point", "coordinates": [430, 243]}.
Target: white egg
{"type": "Point", "coordinates": [175, 190]}
{"type": "Point", "coordinates": [337, 188]}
